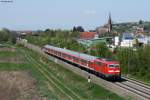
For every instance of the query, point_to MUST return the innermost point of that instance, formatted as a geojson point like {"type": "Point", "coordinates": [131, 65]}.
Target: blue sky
{"type": "Point", "coordinates": [64, 14]}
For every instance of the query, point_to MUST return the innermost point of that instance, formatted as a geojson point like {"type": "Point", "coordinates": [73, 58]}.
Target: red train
{"type": "Point", "coordinates": [105, 67]}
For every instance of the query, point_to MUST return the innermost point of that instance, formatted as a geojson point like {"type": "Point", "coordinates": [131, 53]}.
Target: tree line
{"type": "Point", "coordinates": [135, 62]}
{"type": "Point", "coordinates": [7, 36]}
{"type": "Point", "coordinates": [60, 38]}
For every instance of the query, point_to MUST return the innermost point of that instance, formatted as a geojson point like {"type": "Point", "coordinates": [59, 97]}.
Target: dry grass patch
{"type": "Point", "coordinates": [8, 49]}
{"type": "Point", "coordinates": [18, 85]}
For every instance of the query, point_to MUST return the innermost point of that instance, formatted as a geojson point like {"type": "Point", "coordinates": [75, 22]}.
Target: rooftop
{"type": "Point", "coordinates": [87, 35]}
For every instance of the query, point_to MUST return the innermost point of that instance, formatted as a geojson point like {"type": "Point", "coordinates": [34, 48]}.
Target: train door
{"type": "Point", "coordinates": [91, 64]}
{"type": "Point", "coordinates": [104, 68]}
{"type": "Point", "coordinates": [98, 66]}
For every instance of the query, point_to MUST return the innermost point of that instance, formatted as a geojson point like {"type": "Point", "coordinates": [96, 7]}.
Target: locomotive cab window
{"type": "Point", "coordinates": [114, 65]}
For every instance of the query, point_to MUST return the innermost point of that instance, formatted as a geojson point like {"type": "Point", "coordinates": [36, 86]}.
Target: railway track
{"type": "Point", "coordinates": [137, 82]}
{"type": "Point", "coordinates": [52, 79]}
{"type": "Point", "coordinates": [136, 87]}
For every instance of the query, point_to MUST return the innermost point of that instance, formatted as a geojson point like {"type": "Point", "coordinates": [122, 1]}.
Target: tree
{"type": "Point", "coordinates": [135, 63]}
{"type": "Point", "coordinates": [141, 22]}
{"type": "Point", "coordinates": [47, 30]}
{"type": "Point", "coordinates": [14, 37]}
{"type": "Point", "coordinates": [5, 35]}
{"type": "Point", "coordinates": [8, 36]}
{"type": "Point", "coordinates": [49, 33]}
{"type": "Point", "coordinates": [78, 29]}
{"type": "Point", "coordinates": [74, 29]}
{"type": "Point", "coordinates": [100, 50]}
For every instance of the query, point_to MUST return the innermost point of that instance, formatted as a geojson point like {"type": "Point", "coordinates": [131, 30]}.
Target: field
{"type": "Point", "coordinates": [16, 82]}
{"type": "Point", "coordinates": [44, 80]}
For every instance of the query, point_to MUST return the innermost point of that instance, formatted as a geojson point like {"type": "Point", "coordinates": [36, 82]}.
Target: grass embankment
{"type": "Point", "coordinates": [63, 83]}
{"type": "Point", "coordinates": [11, 64]}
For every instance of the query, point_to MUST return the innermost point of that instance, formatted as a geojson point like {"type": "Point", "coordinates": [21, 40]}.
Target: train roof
{"type": "Point", "coordinates": [81, 55]}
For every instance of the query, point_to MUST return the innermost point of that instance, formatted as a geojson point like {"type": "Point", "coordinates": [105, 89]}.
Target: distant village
{"type": "Point", "coordinates": [129, 34]}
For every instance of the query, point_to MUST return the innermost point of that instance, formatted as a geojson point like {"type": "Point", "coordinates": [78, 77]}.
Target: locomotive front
{"type": "Point", "coordinates": [114, 70]}
{"type": "Point", "coordinates": [108, 68]}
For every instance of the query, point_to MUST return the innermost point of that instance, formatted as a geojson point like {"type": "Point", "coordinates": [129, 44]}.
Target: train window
{"type": "Point", "coordinates": [68, 56]}
{"type": "Point", "coordinates": [59, 53]}
{"type": "Point", "coordinates": [99, 63]}
{"type": "Point", "coordinates": [113, 65]}
{"type": "Point", "coordinates": [63, 54]}
{"type": "Point", "coordinates": [76, 58]}
{"type": "Point", "coordinates": [84, 61]}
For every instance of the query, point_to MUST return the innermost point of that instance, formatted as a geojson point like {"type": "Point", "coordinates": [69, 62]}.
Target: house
{"type": "Point", "coordinates": [91, 38]}
{"type": "Point", "coordinates": [142, 39]}
{"type": "Point", "coordinates": [88, 35]}
{"type": "Point", "coordinates": [127, 40]}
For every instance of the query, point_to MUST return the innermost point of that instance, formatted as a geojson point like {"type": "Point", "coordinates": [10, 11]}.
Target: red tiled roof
{"type": "Point", "coordinates": [87, 35]}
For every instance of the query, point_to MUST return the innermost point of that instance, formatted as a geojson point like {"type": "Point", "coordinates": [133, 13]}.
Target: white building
{"type": "Point", "coordinates": [143, 39]}
{"type": "Point", "coordinates": [117, 41]}
{"type": "Point", "coordinates": [127, 40]}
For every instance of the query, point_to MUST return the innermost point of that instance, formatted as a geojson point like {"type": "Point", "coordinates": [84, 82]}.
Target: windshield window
{"type": "Point", "coordinates": [114, 65]}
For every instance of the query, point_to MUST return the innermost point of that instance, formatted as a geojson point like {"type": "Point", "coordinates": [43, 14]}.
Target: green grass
{"type": "Point", "coordinates": [75, 82]}
{"type": "Point", "coordinates": [13, 66]}
{"type": "Point", "coordinates": [11, 56]}
{"type": "Point", "coordinates": [7, 54]}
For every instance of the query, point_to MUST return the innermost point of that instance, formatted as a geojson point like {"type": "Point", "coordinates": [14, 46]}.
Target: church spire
{"type": "Point", "coordinates": [109, 23]}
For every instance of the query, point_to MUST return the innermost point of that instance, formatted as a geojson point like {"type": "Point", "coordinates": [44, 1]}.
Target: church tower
{"type": "Point", "coordinates": [109, 24]}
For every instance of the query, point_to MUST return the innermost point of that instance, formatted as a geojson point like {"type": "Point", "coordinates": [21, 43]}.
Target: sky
{"type": "Point", "coordinates": [64, 14]}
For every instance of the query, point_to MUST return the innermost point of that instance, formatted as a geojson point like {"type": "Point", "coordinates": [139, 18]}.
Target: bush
{"type": "Point", "coordinates": [135, 63]}
{"type": "Point", "coordinates": [101, 50]}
